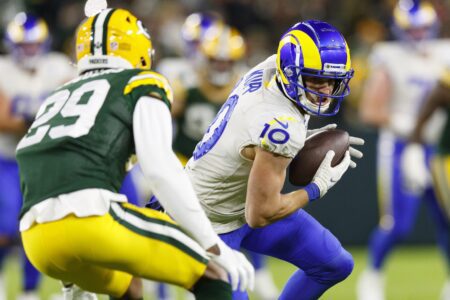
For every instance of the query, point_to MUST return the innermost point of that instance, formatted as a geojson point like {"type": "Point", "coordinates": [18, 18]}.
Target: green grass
{"type": "Point", "coordinates": [413, 273]}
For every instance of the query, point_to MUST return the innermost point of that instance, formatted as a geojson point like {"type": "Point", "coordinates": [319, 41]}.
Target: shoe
{"type": "Point", "coordinates": [370, 285]}
{"type": "Point", "coordinates": [445, 293]}
{"type": "Point", "coordinates": [2, 288]}
{"type": "Point", "coordinates": [28, 296]}
{"type": "Point", "coordinates": [265, 288]}
{"type": "Point", "coordinates": [73, 292]}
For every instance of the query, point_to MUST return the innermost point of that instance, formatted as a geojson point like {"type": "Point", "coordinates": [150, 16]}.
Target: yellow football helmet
{"type": "Point", "coordinates": [113, 38]}
{"type": "Point", "coordinates": [222, 47]}
{"type": "Point", "coordinates": [223, 42]}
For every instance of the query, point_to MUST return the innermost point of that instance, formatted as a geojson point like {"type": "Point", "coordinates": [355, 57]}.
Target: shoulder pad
{"type": "Point", "coordinates": [149, 79]}
{"type": "Point", "coordinates": [445, 79]}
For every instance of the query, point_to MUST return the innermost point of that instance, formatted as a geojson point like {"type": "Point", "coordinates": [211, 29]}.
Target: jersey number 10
{"type": "Point", "coordinates": [67, 104]}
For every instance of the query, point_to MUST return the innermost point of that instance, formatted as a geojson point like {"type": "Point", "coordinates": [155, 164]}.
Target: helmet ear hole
{"type": "Point", "coordinates": [143, 62]}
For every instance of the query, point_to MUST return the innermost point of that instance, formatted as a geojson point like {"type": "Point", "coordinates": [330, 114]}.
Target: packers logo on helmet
{"type": "Point", "coordinates": [113, 38]}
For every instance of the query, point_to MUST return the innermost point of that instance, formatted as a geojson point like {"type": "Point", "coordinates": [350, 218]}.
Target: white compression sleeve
{"type": "Point", "coordinates": [152, 128]}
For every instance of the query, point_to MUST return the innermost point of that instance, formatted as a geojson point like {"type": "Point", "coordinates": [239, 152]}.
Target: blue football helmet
{"type": "Point", "coordinates": [318, 51]}
{"type": "Point", "coordinates": [26, 38]}
{"type": "Point", "coordinates": [414, 21]}
{"type": "Point", "coordinates": [194, 29]}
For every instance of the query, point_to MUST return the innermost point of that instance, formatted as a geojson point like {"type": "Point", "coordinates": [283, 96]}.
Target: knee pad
{"type": "Point", "coordinates": [335, 270]}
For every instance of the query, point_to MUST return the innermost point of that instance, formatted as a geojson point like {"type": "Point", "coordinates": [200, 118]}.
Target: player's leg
{"type": "Point", "coordinates": [130, 189]}
{"type": "Point", "coordinates": [304, 242]}
{"type": "Point", "coordinates": [10, 202]}
{"type": "Point", "coordinates": [128, 240]}
{"type": "Point", "coordinates": [439, 204]}
{"type": "Point", "coordinates": [398, 211]}
{"type": "Point", "coordinates": [399, 206]}
{"type": "Point", "coordinates": [7, 220]}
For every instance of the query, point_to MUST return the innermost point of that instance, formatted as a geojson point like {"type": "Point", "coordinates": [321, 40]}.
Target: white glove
{"type": "Point", "coordinates": [241, 271]}
{"type": "Point", "coordinates": [414, 169]}
{"type": "Point", "coordinates": [311, 132]}
{"type": "Point", "coordinates": [354, 153]}
{"type": "Point", "coordinates": [327, 176]}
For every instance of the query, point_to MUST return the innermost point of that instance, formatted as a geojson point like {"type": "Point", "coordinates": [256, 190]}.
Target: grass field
{"type": "Point", "coordinates": [413, 273]}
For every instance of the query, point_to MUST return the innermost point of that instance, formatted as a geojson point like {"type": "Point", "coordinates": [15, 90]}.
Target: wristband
{"type": "Point", "coordinates": [313, 191]}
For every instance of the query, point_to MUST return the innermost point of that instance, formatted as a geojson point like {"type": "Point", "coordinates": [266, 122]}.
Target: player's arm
{"type": "Point", "coordinates": [265, 204]}
{"type": "Point", "coordinates": [153, 139]}
{"type": "Point", "coordinates": [10, 123]}
{"type": "Point", "coordinates": [440, 96]}
{"type": "Point", "coordinates": [374, 106]}
{"type": "Point", "coordinates": [152, 128]}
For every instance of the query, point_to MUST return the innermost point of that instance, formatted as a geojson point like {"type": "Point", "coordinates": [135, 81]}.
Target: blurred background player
{"type": "Point", "coordinates": [440, 164]}
{"type": "Point", "coordinates": [30, 72]}
{"type": "Point", "coordinates": [403, 74]}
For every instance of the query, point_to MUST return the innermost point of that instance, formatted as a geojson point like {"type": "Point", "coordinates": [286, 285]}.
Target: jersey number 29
{"type": "Point", "coordinates": [67, 104]}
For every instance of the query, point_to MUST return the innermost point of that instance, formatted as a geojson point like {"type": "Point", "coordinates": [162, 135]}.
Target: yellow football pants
{"type": "Point", "coordinates": [440, 166]}
{"type": "Point", "coordinates": [101, 254]}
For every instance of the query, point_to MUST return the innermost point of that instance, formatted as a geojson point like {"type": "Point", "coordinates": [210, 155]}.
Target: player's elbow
{"type": "Point", "coordinates": [257, 217]}
{"type": "Point", "coordinates": [256, 221]}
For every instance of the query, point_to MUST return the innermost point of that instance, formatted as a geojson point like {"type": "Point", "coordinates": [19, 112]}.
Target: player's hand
{"type": "Point", "coordinates": [311, 132]}
{"type": "Point", "coordinates": [327, 176]}
{"type": "Point", "coordinates": [240, 270]}
{"type": "Point", "coordinates": [414, 169]}
{"type": "Point", "coordinates": [354, 153]}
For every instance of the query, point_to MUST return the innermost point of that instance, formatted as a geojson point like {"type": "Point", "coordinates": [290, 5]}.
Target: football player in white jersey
{"type": "Point", "coordinates": [403, 74]}
{"type": "Point", "coordinates": [180, 71]}
{"type": "Point", "coordinates": [30, 72]}
{"type": "Point", "coordinates": [239, 167]}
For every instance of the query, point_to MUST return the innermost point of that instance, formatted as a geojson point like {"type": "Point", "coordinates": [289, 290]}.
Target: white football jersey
{"type": "Point", "coordinates": [179, 71]}
{"type": "Point", "coordinates": [256, 113]}
{"type": "Point", "coordinates": [413, 76]}
{"type": "Point", "coordinates": [27, 90]}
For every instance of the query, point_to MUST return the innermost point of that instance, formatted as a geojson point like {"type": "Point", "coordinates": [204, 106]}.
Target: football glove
{"type": "Point", "coordinates": [354, 153]}
{"type": "Point", "coordinates": [414, 169]}
{"type": "Point", "coordinates": [327, 176]}
{"type": "Point", "coordinates": [239, 269]}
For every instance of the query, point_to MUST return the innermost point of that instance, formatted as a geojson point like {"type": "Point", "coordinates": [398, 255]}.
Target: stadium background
{"type": "Point", "coordinates": [350, 210]}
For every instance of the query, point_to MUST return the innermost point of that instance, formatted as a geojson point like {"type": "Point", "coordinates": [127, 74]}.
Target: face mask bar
{"type": "Point", "coordinates": [340, 90]}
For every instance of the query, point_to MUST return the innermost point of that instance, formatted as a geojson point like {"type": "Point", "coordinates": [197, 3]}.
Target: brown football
{"type": "Point", "coordinates": [305, 164]}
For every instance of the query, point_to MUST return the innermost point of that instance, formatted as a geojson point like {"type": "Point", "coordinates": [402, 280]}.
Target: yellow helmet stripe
{"type": "Point", "coordinates": [98, 29]}
{"type": "Point", "coordinates": [348, 64]}
{"type": "Point", "coordinates": [311, 54]}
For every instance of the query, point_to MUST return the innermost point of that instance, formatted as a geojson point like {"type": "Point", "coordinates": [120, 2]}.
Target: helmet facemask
{"type": "Point", "coordinates": [313, 101]}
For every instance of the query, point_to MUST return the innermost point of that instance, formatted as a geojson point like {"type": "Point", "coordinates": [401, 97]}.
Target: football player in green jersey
{"type": "Point", "coordinates": [75, 225]}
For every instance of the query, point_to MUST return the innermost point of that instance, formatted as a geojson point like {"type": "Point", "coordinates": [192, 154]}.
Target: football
{"type": "Point", "coordinates": [305, 164]}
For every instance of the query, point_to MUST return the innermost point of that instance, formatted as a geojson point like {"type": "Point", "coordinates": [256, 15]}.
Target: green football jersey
{"type": "Point", "coordinates": [82, 136]}
{"type": "Point", "coordinates": [444, 142]}
{"type": "Point", "coordinates": [199, 112]}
